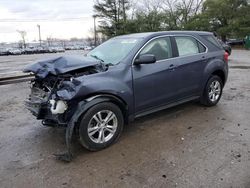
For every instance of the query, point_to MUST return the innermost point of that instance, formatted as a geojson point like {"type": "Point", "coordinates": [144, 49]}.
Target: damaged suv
{"type": "Point", "coordinates": [125, 78]}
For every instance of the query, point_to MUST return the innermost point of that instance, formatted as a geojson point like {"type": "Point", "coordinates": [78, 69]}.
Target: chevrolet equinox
{"type": "Point", "coordinates": [125, 78]}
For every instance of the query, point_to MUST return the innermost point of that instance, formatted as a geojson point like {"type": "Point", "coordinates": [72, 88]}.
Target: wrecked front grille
{"type": "Point", "coordinates": [37, 101]}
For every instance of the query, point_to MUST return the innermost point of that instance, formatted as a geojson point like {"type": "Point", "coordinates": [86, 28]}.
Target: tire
{"type": "Point", "coordinates": [94, 132]}
{"type": "Point", "coordinates": [212, 92]}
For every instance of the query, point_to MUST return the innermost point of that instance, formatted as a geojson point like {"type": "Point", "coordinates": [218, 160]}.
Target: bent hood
{"type": "Point", "coordinates": [60, 65]}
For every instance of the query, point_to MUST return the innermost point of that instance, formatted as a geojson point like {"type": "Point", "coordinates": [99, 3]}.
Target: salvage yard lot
{"type": "Point", "coordinates": [13, 65]}
{"type": "Point", "coordinates": [185, 146]}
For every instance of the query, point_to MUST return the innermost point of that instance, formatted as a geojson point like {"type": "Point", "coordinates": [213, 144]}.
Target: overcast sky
{"type": "Point", "coordinates": [57, 18]}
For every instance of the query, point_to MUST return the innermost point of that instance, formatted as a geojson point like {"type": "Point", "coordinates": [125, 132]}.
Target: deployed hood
{"type": "Point", "coordinates": [60, 65]}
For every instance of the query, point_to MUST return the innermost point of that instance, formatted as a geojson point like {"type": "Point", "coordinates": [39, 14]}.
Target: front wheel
{"type": "Point", "coordinates": [101, 126]}
{"type": "Point", "coordinates": [213, 91]}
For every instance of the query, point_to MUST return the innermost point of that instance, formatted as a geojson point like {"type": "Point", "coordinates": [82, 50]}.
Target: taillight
{"type": "Point", "coordinates": [226, 55]}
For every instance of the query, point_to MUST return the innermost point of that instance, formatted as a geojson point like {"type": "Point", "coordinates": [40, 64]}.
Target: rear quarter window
{"type": "Point", "coordinates": [211, 39]}
{"type": "Point", "coordinates": [187, 45]}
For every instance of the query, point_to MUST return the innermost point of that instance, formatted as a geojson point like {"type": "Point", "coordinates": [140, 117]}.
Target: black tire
{"type": "Point", "coordinates": [205, 99]}
{"type": "Point", "coordinates": [86, 140]}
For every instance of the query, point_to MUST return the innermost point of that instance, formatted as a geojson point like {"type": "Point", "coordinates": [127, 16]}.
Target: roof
{"type": "Point", "coordinates": [152, 34]}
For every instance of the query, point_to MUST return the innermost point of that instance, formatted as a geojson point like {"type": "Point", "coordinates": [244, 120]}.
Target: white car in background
{"type": "Point", "coordinates": [13, 51]}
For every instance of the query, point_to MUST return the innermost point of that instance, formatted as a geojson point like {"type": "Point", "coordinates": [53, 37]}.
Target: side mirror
{"type": "Point", "coordinates": [145, 59]}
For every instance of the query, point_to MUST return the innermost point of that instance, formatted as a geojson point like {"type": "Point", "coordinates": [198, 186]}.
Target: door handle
{"type": "Point", "coordinates": [172, 67]}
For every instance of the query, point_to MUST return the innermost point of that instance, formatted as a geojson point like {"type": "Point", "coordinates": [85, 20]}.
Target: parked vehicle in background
{"type": "Point", "coordinates": [235, 42]}
{"type": "Point", "coordinates": [28, 50]}
{"type": "Point", "coordinates": [72, 48]}
{"type": "Point", "coordinates": [88, 48]}
{"type": "Point", "coordinates": [31, 50]}
{"type": "Point", "coordinates": [52, 49]}
{"type": "Point", "coordinates": [125, 78]}
{"type": "Point", "coordinates": [10, 51]}
{"type": "Point", "coordinates": [13, 51]}
{"type": "Point", "coordinates": [40, 50]}
{"type": "Point", "coordinates": [4, 52]}
{"type": "Point", "coordinates": [60, 49]}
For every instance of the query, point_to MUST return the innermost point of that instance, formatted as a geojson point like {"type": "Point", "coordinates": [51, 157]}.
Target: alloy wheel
{"type": "Point", "coordinates": [102, 126]}
{"type": "Point", "coordinates": [214, 91]}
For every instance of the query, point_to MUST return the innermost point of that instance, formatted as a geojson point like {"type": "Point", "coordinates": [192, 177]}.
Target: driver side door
{"type": "Point", "coordinates": [155, 84]}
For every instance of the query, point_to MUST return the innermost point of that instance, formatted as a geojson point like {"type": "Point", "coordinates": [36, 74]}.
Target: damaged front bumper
{"type": "Point", "coordinates": [44, 108]}
{"type": "Point", "coordinates": [55, 113]}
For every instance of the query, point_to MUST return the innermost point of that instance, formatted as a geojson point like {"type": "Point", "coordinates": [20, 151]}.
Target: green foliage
{"type": "Point", "coordinates": [147, 22]}
{"type": "Point", "coordinates": [112, 14]}
{"type": "Point", "coordinates": [228, 18]}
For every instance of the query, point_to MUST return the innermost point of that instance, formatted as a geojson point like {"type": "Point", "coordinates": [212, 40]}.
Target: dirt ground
{"type": "Point", "coordinates": [185, 146]}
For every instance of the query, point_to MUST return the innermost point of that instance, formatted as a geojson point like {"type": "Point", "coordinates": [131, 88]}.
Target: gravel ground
{"type": "Point", "coordinates": [185, 146]}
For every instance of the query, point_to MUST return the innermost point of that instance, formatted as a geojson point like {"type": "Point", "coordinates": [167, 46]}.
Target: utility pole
{"type": "Point", "coordinates": [124, 15]}
{"type": "Point", "coordinates": [94, 16]}
{"type": "Point", "coordinates": [39, 31]}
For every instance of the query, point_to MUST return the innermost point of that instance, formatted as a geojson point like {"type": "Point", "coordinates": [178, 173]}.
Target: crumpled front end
{"type": "Point", "coordinates": [45, 104]}
{"type": "Point", "coordinates": [49, 98]}
{"type": "Point", "coordinates": [37, 101]}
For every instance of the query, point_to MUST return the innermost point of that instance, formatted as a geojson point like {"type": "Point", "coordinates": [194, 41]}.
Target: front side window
{"type": "Point", "coordinates": [160, 47]}
{"type": "Point", "coordinates": [188, 46]}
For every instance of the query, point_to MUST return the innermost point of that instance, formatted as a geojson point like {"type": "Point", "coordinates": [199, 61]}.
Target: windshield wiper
{"type": "Point", "coordinates": [96, 57]}
{"type": "Point", "coordinates": [109, 64]}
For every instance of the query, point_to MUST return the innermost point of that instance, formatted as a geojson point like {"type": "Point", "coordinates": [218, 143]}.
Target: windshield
{"type": "Point", "coordinates": [114, 50]}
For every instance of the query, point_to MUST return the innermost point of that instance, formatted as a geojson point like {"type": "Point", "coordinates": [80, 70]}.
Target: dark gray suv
{"type": "Point", "coordinates": [124, 78]}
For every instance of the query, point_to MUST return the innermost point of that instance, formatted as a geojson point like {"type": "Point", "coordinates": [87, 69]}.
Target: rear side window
{"type": "Point", "coordinates": [188, 46]}
{"type": "Point", "coordinates": [213, 40]}
{"type": "Point", "coordinates": [160, 47]}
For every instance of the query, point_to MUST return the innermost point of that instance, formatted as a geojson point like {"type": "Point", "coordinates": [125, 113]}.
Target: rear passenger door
{"type": "Point", "coordinates": [192, 61]}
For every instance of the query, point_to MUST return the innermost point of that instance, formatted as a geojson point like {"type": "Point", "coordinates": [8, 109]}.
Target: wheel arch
{"type": "Point", "coordinates": [221, 74]}
{"type": "Point", "coordinates": [215, 67]}
{"type": "Point", "coordinates": [82, 107]}
{"type": "Point", "coordinates": [95, 98]}
{"type": "Point", "coordinates": [216, 71]}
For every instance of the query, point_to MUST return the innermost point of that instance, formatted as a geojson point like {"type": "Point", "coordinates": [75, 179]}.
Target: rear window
{"type": "Point", "coordinates": [213, 40]}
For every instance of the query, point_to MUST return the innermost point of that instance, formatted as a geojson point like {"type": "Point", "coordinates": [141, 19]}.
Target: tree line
{"type": "Point", "coordinates": [228, 18]}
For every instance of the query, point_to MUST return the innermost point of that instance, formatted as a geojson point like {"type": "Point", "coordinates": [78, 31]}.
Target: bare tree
{"type": "Point", "coordinates": [23, 35]}
{"type": "Point", "coordinates": [146, 6]}
{"type": "Point", "coordinates": [180, 11]}
{"type": "Point", "coordinates": [49, 40]}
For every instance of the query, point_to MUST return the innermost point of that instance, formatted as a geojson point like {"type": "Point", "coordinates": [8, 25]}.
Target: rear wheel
{"type": "Point", "coordinates": [101, 126]}
{"type": "Point", "coordinates": [213, 91]}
